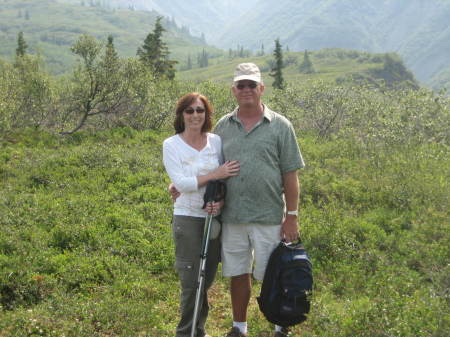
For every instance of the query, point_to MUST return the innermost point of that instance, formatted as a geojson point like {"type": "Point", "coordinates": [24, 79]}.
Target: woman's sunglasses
{"type": "Point", "coordinates": [190, 111]}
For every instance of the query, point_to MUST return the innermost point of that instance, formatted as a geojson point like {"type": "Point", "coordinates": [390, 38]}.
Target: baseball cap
{"type": "Point", "coordinates": [247, 71]}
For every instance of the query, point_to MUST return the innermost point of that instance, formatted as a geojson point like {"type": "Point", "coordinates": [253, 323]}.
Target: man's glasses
{"type": "Point", "coordinates": [251, 85]}
{"type": "Point", "coordinates": [190, 111]}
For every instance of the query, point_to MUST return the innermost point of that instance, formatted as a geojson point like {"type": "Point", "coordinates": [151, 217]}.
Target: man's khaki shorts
{"type": "Point", "coordinates": [243, 243]}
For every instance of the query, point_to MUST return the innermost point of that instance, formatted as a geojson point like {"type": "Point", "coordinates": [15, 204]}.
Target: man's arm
{"type": "Point", "coordinates": [289, 227]}
{"type": "Point", "coordinates": [174, 194]}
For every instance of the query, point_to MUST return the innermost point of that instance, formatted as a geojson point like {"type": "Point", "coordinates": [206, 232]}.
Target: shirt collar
{"type": "Point", "coordinates": [267, 113]}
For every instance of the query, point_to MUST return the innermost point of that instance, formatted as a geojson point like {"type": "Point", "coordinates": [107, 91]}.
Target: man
{"type": "Point", "coordinates": [261, 202]}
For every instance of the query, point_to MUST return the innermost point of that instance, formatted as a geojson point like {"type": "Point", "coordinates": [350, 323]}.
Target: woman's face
{"type": "Point", "coordinates": [194, 116]}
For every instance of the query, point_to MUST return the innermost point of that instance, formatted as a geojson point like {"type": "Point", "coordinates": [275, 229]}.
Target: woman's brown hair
{"type": "Point", "coordinates": [183, 103]}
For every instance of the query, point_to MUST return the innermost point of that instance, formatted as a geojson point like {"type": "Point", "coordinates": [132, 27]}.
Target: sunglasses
{"type": "Point", "coordinates": [190, 111]}
{"type": "Point", "coordinates": [251, 85]}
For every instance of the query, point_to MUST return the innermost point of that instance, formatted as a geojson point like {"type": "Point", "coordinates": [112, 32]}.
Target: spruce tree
{"type": "Point", "coordinates": [21, 45]}
{"type": "Point", "coordinates": [205, 61]}
{"type": "Point", "coordinates": [111, 49]}
{"type": "Point", "coordinates": [306, 67]}
{"type": "Point", "coordinates": [154, 53]}
{"type": "Point", "coordinates": [189, 62]}
{"type": "Point", "coordinates": [277, 70]}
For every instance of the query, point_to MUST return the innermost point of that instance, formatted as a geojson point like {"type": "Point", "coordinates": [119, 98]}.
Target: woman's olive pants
{"type": "Point", "coordinates": [188, 234]}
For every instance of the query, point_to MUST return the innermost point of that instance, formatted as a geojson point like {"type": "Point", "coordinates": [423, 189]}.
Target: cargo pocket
{"type": "Point", "coordinates": [187, 273]}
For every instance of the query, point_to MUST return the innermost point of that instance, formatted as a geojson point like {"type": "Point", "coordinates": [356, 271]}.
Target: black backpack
{"type": "Point", "coordinates": [287, 285]}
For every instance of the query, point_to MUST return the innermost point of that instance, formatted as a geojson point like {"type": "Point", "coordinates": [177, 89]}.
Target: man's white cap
{"type": "Point", "coordinates": [247, 71]}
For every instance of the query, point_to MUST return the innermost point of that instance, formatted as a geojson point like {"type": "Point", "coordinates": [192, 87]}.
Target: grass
{"type": "Point", "coordinates": [86, 249]}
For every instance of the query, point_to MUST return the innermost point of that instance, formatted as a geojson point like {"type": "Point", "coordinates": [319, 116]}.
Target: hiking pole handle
{"type": "Point", "coordinates": [215, 191]}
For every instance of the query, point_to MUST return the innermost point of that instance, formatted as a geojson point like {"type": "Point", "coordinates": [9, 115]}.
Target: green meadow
{"type": "Point", "coordinates": [85, 240]}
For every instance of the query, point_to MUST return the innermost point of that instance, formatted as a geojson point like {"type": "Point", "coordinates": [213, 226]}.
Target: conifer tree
{"type": "Point", "coordinates": [154, 53]}
{"type": "Point", "coordinates": [111, 49]}
{"type": "Point", "coordinates": [189, 62]}
{"type": "Point", "coordinates": [306, 67]}
{"type": "Point", "coordinates": [203, 59]}
{"type": "Point", "coordinates": [277, 70]}
{"type": "Point", "coordinates": [110, 60]}
{"type": "Point", "coordinates": [21, 45]}
{"type": "Point", "coordinates": [241, 52]}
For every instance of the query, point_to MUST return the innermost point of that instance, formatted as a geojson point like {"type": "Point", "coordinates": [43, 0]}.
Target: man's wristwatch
{"type": "Point", "coordinates": [292, 212]}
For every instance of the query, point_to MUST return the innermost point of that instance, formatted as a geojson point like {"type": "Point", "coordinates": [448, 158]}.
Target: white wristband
{"type": "Point", "coordinates": [292, 212]}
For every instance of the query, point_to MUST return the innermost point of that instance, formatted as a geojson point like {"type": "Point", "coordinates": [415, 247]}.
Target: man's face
{"type": "Point", "coordinates": [248, 93]}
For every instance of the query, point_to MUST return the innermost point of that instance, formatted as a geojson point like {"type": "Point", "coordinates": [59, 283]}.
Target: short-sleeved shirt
{"type": "Point", "coordinates": [184, 164]}
{"type": "Point", "coordinates": [265, 153]}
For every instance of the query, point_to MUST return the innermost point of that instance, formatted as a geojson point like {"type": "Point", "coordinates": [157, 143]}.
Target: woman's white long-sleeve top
{"type": "Point", "coordinates": [184, 164]}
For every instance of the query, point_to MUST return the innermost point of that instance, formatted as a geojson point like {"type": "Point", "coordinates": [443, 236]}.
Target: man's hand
{"type": "Point", "coordinates": [173, 192]}
{"type": "Point", "coordinates": [289, 228]}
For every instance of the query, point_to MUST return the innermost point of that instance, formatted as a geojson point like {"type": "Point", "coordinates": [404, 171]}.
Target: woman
{"type": "Point", "coordinates": [192, 157]}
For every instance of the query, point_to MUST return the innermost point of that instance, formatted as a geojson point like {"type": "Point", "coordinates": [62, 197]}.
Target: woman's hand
{"type": "Point", "coordinates": [214, 207]}
{"type": "Point", "coordinates": [229, 169]}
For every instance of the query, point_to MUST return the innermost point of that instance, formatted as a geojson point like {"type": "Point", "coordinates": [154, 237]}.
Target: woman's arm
{"type": "Point", "coordinates": [172, 164]}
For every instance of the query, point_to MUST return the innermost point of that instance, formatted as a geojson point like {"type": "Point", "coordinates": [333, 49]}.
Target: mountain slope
{"type": "Point", "coordinates": [330, 66]}
{"type": "Point", "coordinates": [51, 27]}
{"type": "Point", "coordinates": [417, 30]}
{"type": "Point", "coordinates": [201, 16]}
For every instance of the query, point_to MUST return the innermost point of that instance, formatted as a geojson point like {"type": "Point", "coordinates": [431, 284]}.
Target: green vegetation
{"type": "Point", "coordinates": [441, 81]}
{"type": "Point", "coordinates": [51, 41]}
{"type": "Point", "coordinates": [330, 66]}
{"type": "Point", "coordinates": [53, 26]}
{"type": "Point", "coordinates": [85, 245]}
{"type": "Point", "coordinates": [418, 31]}
{"type": "Point", "coordinates": [277, 70]}
{"type": "Point", "coordinates": [154, 53]}
{"type": "Point", "coordinates": [21, 45]}
{"type": "Point", "coordinates": [86, 249]}
{"type": "Point", "coordinates": [306, 67]}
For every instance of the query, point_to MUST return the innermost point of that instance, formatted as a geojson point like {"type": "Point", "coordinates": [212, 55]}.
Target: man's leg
{"type": "Point", "coordinates": [241, 288]}
{"type": "Point", "coordinates": [237, 263]}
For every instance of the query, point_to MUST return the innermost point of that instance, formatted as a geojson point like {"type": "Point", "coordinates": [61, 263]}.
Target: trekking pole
{"type": "Point", "coordinates": [210, 195]}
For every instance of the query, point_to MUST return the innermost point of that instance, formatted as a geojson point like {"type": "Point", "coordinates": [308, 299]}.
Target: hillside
{"type": "Point", "coordinates": [417, 30]}
{"type": "Point", "coordinates": [330, 65]}
{"type": "Point", "coordinates": [206, 17]}
{"type": "Point", "coordinates": [50, 27]}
